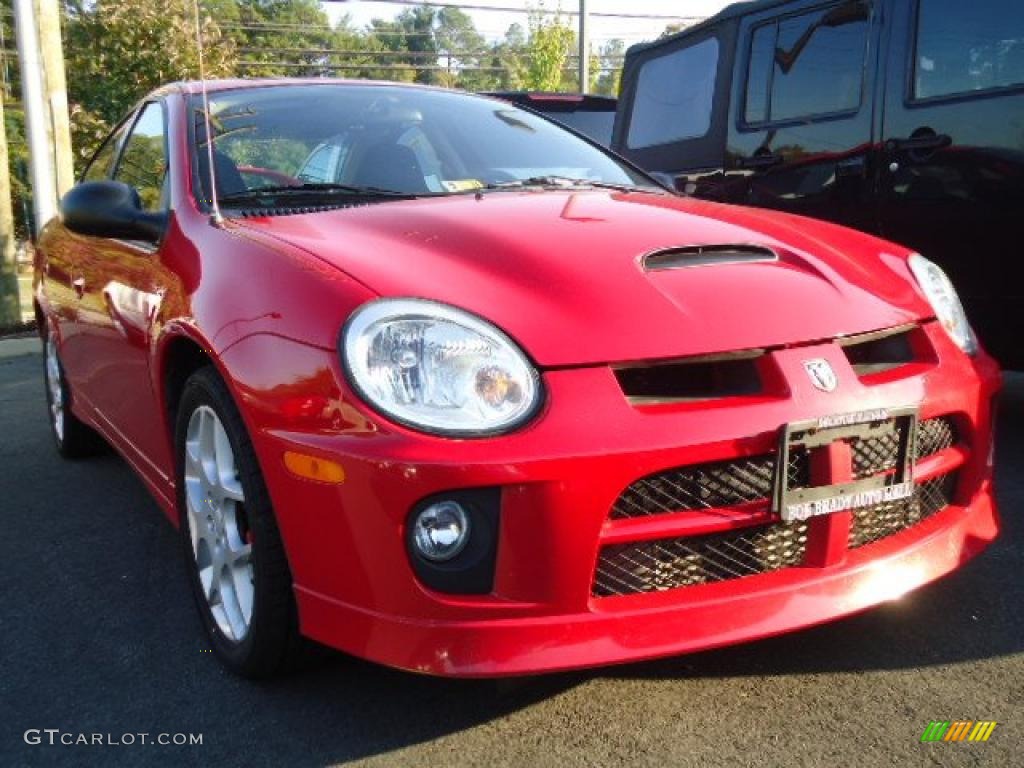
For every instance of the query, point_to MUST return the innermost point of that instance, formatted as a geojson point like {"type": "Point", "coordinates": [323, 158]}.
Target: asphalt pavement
{"type": "Point", "coordinates": [98, 635]}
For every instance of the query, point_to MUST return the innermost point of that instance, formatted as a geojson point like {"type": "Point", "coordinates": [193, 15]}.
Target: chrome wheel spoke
{"type": "Point", "coordinates": [206, 451]}
{"type": "Point", "coordinates": [224, 462]}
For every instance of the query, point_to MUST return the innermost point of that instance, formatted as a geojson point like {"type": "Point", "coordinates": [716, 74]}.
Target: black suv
{"type": "Point", "coordinates": [900, 117]}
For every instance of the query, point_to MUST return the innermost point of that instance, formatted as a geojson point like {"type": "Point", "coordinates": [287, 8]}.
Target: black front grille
{"type": "Point", "coordinates": [874, 523]}
{"type": "Point", "coordinates": [700, 486]}
{"type": "Point", "coordinates": [653, 566]}
{"type": "Point", "coordinates": [751, 479]}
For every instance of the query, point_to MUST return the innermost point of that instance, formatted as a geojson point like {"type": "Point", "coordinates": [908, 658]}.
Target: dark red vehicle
{"type": "Point", "coordinates": [442, 385]}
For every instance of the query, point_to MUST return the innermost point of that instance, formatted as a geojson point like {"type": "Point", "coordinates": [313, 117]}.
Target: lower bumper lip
{"type": "Point", "coordinates": [630, 629]}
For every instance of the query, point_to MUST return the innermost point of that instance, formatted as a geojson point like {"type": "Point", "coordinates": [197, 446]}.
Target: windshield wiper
{"type": "Point", "coordinates": [311, 188]}
{"type": "Point", "coordinates": [568, 182]}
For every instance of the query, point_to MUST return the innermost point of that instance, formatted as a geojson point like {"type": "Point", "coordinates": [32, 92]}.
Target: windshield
{"type": "Point", "coordinates": [344, 139]}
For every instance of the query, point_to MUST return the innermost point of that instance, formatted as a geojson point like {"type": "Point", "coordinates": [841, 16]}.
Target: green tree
{"type": "Point", "coordinates": [508, 60]}
{"type": "Point", "coordinates": [463, 50]}
{"type": "Point", "coordinates": [609, 68]}
{"type": "Point", "coordinates": [276, 38]}
{"type": "Point", "coordinates": [410, 39]}
{"type": "Point", "coordinates": [118, 50]}
{"type": "Point", "coordinates": [549, 46]}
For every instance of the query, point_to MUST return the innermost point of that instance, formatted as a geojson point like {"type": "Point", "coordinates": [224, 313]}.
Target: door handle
{"type": "Point", "coordinates": [760, 160]}
{"type": "Point", "coordinates": [924, 143]}
{"type": "Point", "coordinates": [79, 285]}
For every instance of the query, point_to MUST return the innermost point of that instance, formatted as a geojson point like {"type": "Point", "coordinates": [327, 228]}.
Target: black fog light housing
{"type": "Point", "coordinates": [452, 540]}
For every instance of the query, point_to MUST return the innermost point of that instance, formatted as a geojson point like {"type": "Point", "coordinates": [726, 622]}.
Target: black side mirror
{"type": "Point", "coordinates": [110, 209]}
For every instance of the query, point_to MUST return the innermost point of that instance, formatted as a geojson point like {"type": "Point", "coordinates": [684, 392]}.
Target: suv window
{"type": "Point", "coordinates": [964, 47]}
{"type": "Point", "coordinates": [808, 65]}
{"type": "Point", "coordinates": [674, 95]}
{"type": "Point", "coordinates": [143, 162]}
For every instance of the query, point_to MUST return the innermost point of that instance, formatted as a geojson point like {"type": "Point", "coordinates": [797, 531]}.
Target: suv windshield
{"type": "Point", "coordinates": [390, 141]}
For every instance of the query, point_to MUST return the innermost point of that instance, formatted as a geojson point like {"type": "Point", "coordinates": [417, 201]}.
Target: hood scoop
{"type": "Point", "coordinates": [706, 256]}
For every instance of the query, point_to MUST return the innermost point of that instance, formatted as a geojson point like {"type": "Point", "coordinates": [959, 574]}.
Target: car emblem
{"type": "Point", "coordinates": [821, 374]}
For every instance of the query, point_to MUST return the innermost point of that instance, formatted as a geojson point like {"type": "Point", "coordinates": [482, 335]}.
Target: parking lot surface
{"type": "Point", "coordinates": [98, 634]}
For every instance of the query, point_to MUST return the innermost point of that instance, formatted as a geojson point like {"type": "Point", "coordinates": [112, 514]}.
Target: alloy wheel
{"type": "Point", "coordinates": [55, 387]}
{"type": "Point", "coordinates": [218, 528]}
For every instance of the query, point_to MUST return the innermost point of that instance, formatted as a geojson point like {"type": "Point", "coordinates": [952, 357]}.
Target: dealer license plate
{"type": "Point", "coordinates": [797, 500]}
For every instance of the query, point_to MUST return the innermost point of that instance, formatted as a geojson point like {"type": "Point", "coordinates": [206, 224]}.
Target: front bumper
{"type": "Point", "coordinates": [638, 628]}
{"type": "Point", "coordinates": [559, 478]}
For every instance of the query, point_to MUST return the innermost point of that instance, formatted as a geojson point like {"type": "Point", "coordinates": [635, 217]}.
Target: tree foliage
{"type": "Point", "coordinates": [118, 50]}
{"type": "Point", "coordinates": [549, 46]}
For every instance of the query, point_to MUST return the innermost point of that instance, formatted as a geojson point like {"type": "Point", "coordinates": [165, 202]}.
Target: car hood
{"type": "Point", "coordinates": [563, 272]}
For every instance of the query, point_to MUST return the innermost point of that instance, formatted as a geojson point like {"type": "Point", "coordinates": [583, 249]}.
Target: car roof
{"type": "Point", "coordinates": [195, 87]}
{"type": "Point", "coordinates": [730, 12]}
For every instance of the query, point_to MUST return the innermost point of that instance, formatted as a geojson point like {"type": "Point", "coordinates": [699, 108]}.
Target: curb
{"type": "Point", "coordinates": [19, 347]}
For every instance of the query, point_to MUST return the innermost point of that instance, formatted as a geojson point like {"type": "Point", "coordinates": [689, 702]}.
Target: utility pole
{"type": "Point", "coordinates": [44, 188]}
{"type": "Point", "coordinates": [10, 309]}
{"type": "Point", "coordinates": [584, 49]}
{"type": "Point", "coordinates": [56, 92]}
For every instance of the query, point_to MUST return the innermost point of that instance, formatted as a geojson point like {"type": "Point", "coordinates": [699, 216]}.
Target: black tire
{"type": "Point", "coordinates": [272, 643]}
{"type": "Point", "coordinates": [75, 440]}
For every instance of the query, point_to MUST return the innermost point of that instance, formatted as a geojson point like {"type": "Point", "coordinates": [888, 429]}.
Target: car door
{"type": "Point", "coordinates": [952, 184]}
{"type": "Point", "coordinates": [123, 284]}
{"type": "Point", "coordinates": [800, 128]}
{"type": "Point", "coordinates": [63, 278]}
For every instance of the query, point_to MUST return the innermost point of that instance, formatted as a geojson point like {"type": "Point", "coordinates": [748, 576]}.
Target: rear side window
{"type": "Point", "coordinates": [674, 95]}
{"type": "Point", "coordinates": [808, 65]}
{"type": "Point", "coordinates": [967, 47]}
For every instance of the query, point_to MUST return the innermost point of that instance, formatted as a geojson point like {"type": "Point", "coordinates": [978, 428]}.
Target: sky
{"type": "Point", "coordinates": [492, 24]}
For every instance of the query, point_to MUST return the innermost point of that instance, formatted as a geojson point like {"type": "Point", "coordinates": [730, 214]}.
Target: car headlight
{"type": "Point", "coordinates": [944, 300]}
{"type": "Point", "coordinates": [437, 368]}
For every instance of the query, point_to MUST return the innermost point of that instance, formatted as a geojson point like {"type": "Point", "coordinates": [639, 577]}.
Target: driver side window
{"type": "Point", "coordinates": [143, 162]}
{"type": "Point", "coordinates": [102, 162]}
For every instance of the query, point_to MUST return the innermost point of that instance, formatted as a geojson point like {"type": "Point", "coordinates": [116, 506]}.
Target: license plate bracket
{"type": "Point", "coordinates": [799, 503]}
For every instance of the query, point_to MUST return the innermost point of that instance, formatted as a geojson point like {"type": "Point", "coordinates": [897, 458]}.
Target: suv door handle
{"type": "Point", "coordinates": [930, 141]}
{"type": "Point", "coordinates": [760, 160]}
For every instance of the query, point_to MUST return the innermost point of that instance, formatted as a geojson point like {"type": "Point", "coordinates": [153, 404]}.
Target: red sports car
{"type": "Point", "coordinates": [422, 376]}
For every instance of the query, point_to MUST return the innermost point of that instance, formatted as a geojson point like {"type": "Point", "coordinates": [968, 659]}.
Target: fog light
{"type": "Point", "coordinates": [441, 531]}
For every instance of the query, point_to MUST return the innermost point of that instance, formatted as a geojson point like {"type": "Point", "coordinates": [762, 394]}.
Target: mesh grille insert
{"type": "Point", "coordinates": [700, 486]}
{"type": "Point", "coordinates": [654, 566]}
{"type": "Point", "coordinates": [934, 435]}
{"type": "Point", "coordinates": [750, 479]}
{"type": "Point", "coordinates": [873, 523]}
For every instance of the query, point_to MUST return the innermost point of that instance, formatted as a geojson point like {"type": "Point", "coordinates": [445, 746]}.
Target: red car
{"type": "Point", "coordinates": [471, 396]}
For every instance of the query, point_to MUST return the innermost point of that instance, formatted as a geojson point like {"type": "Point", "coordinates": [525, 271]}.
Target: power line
{"type": "Point", "coordinates": [514, 9]}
